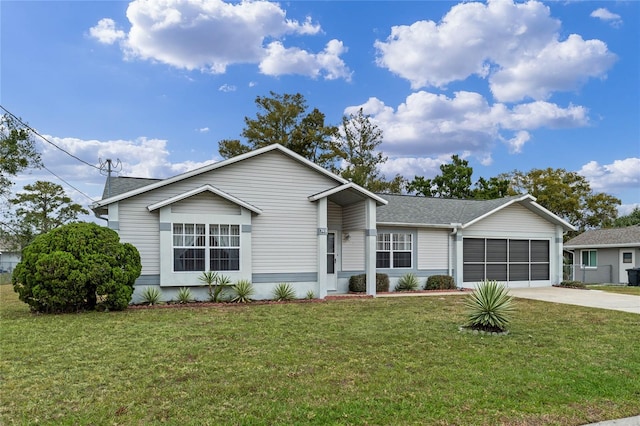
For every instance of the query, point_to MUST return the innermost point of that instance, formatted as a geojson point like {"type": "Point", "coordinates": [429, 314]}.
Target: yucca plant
{"type": "Point", "coordinates": [489, 307]}
{"type": "Point", "coordinates": [407, 282]}
{"type": "Point", "coordinates": [151, 296]}
{"type": "Point", "coordinates": [284, 292]}
{"type": "Point", "coordinates": [310, 295]}
{"type": "Point", "coordinates": [244, 290]}
{"type": "Point", "coordinates": [217, 284]}
{"type": "Point", "coordinates": [184, 295]}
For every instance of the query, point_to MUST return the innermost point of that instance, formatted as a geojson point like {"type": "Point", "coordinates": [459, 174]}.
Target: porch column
{"type": "Point", "coordinates": [370, 246]}
{"type": "Point", "coordinates": [322, 248]}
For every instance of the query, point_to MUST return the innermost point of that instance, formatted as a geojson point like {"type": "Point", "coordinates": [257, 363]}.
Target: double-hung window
{"type": "Point", "coordinates": [589, 258]}
{"type": "Point", "coordinates": [394, 250]}
{"type": "Point", "coordinates": [201, 247]}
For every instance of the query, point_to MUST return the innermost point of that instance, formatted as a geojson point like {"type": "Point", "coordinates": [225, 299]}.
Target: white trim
{"type": "Point", "coordinates": [350, 185]}
{"type": "Point", "coordinates": [418, 225]}
{"type": "Point", "coordinates": [601, 246]}
{"type": "Point", "coordinates": [217, 165]}
{"type": "Point", "coordinates": [199, 190]}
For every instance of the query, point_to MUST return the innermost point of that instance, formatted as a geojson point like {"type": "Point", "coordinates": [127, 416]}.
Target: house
{"type": "Point", "coordinates": [9, 257]}
{"type": "Point", "coordinates": [272, 216]}
{"type": "Point", "coordinates": [604, 255]}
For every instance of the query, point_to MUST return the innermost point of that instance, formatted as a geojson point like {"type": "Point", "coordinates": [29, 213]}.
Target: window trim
{"type": "Point", "coordinates": [392, 242]}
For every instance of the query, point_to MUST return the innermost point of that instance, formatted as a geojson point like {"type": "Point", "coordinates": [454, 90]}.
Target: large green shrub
{"type": "Point", "coordinates": [358, 283]}
{"type": "Point", "coordinates": [80, 266]}
{"type": "Point", "coordinates": [440, 282]}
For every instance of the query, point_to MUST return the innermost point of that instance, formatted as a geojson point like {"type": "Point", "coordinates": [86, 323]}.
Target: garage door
{"type": "Point", "coordinates": [505, 260]}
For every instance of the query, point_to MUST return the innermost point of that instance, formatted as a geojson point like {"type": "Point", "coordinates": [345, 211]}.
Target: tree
{"type": "Point", "coordinates": [79, 266]}
{"type": "Point", "coordinates": [17, 151]}
{"type": "Point", "coordinates": [631, 219]}
{"type": "Point", "coordinates": [43, 207]}
{"type": "Point", "coordinates": [355, 148]}
{"type": "Point", "coordinates": [284, 119]}
{"type": "Point", "coordinates": [568, 195]}
{"type": "Point", "coordinates": [491, 189]}
{"type": "Point", "coordinates": [453, 182]}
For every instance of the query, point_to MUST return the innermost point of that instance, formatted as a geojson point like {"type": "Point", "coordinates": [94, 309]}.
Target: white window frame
{"type": "Point", "coordinates": [204, 237]}
{"type": "Point", "coordinates": [394, 242]}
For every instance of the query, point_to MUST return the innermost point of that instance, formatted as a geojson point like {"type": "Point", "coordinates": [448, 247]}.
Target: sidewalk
{"type": "Point", "coordinates": [588, 298]}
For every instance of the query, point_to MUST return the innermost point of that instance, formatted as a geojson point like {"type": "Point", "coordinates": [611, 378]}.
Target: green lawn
{"type": "Point", "coordinates": [368, 361]}
{"type": "Point", "coordinates": [624, 289]}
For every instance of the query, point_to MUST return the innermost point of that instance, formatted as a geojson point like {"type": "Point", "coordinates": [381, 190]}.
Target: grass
{"type": "Point", "coordinates": [357, 361]}
{"type": "Point", "coordinates": [622, 289]}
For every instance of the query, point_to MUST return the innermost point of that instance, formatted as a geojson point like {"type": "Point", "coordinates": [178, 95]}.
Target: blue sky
{"type": "Point", "coordinates": [506, 85]}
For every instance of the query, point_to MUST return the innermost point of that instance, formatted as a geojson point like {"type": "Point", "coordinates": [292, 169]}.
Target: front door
{"type": "Point", "coordinates": [627, 261]}
{"type": "Point", "coordinates": [332, 262]}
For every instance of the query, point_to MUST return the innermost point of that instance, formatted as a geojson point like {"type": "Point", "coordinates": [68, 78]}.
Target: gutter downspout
{"type": "Point", "coordinates": [453, 233]}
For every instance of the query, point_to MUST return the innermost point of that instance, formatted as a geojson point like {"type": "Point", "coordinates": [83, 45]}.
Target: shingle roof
{"type": "Point", "coordinates": [411, 209]}
{"type": "Point", "coordinates": [628, 236]}
{"type": "Point", "coordinates": [120, 185]}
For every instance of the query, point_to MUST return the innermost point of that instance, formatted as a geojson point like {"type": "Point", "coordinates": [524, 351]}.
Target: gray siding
{"type": "Point", "coordinates": [334, 216]}
{"type": "Point", "coordinates": [140, 227]}
{"type": "Point", "coordinates": [353, 251]}
{"type": "Point", "coordinates": [433, 249]}
{"type": "Point", "coordinates": [354, 216]}
{"type": "Point", "coordinates": [206, 202]}
{"type": "Point", "coordinates": [516, 220]}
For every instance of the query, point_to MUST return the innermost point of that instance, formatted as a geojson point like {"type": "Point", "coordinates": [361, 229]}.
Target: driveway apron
{"type": "Point", "coordinates": [588, 298]}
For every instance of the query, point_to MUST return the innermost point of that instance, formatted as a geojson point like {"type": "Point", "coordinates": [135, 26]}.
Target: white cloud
{"type": "Point", "coordinates": [613, 19]}
{"type": "Point", "coordinates": [435, 124]}
{"type": "Point", "coordinates": [105, 31]}
{"type": "Point", "coordinates": [413, 166]}
{"type": "Point", "coordinates": [614, 177]}
{"type": "Point", "coordinates": [203, 130]}
{"type": "Point", "coordinates": [211, 35]}
{"type": "Point", "coordinates": [280, 60]}
{"type": "Point", "coordinates": [515, 46]}
{"type": "Point", "coordinates": [227, 88]}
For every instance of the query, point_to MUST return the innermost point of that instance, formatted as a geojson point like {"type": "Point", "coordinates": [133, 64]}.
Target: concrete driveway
{"type": "Point", "coordinates": [588, 298]}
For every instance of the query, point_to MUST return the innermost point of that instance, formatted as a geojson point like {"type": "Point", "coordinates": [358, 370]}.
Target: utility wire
{"type": "Point", "coordinates": [82, 193]}
{"type": "Point", "coordinates": [47, 140]}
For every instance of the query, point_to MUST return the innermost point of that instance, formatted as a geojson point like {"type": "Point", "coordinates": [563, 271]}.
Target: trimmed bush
{"type": "Point", "coordinates": [407, 282]}
{"type": "Point", "coordinates": [489, 307]}
{"type": "Point", "coordinates": [358, 283]}
{"type": "Point", "coordinates": [440, 282]}
{"type": "Point", "coordinates": [76, 267]}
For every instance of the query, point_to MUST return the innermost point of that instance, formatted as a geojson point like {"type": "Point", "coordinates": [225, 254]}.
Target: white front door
{"type": "Point", "coordinates": [332, 262]}
{"type": "Point", "coordinates": [627, 261]}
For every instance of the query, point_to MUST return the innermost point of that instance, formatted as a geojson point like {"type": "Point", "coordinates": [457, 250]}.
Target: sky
{"type": "Point", "coordinates": [154, 85]}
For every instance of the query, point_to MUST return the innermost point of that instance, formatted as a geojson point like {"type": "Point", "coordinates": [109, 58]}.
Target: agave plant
{"type": "Point", "coordinates": [217, 284]}
{"type": "Point", "coordinates": [151, 296]}
{"type": "Point", "coordinates": [489, 307]}
{"type": "Point", "coordinates": [407, 282]}
{"type": "Point", "coordinates": [244, 290]}
{"type": "Point", "coordinates": [184, 295]}
{"type": "Point", "coordinates": [283, 292]}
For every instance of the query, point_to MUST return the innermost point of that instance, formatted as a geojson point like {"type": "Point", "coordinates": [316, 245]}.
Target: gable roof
{"type": "Point", "coordinates": [158, 183]}
{"type": "Point", "coordinates": [611, 237]}
{"type": "Point", "coordinates": [448, 213]}
{"type": "Point", "coordinates": [204, 188]}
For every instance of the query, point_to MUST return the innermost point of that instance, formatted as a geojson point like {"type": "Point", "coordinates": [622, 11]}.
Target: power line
{"type": "Point", "coordinates": [82, 193]}
{"type": "Point", "coordinates": [47, 140]}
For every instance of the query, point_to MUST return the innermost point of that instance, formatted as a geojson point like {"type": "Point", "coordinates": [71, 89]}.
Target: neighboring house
{"type": "Point", "coordinates": [604, 255]}
{"type": "Point", "coordinates": [272, 216]}
{"type": "Point", "coordinates": [9, 257]}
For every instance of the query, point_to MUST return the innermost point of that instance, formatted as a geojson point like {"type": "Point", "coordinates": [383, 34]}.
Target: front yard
{"type": "Point", "coordinates": [359, 361]}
